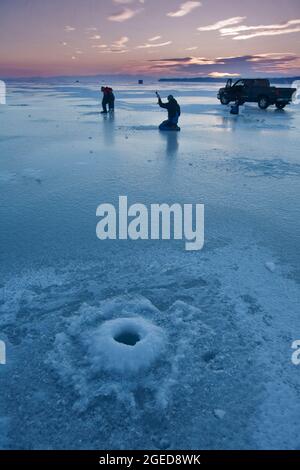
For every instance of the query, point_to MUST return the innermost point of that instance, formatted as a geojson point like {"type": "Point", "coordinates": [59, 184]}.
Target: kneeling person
{"type": "Point", "coordinates": [173, 108]}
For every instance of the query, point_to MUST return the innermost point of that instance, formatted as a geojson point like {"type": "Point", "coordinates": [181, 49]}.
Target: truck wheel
{"type": "Point", "coordinates": [224, 100]}
{"type": "Point", "coordinates": [263, 102]}
{"type": "Point", "coordinates": [280, 105]}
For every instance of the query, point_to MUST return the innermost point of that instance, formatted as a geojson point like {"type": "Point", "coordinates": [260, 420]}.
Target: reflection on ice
{"type": "Point", "coordinates": [109, 129]}
{"type": "Point", "coordinates": [172, 143]}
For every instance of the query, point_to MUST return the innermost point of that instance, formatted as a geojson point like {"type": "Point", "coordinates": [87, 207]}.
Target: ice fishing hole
{"type": "Point", "coordinates": [129, 338]}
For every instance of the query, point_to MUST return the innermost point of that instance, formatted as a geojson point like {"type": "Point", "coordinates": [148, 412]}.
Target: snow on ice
{"type": "Point", "coordinates": [103, 352]}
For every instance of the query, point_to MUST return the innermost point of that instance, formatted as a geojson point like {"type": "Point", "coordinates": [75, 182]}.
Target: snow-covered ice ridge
{"type": "Point", "coordinates": [215, 328]}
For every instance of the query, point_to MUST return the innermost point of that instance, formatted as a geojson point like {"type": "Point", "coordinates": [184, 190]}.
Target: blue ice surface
{"type": "Point", "coordinates": [224, 379]}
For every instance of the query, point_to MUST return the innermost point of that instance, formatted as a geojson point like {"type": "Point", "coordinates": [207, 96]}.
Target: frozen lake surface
{"type": "Point", "coordinates": [218, 324]}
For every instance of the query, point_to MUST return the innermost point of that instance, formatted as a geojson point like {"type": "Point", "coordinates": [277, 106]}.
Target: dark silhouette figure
{"type": "Point", "coordinates": [108, 99]}
{"type": "Point", "coordinates": [235, 108]}
{"type": "Point", "coordinates": [174, 112]}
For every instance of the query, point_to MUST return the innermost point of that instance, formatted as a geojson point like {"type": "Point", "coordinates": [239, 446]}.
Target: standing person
{"type": "Point", "coordinates": [108, 99]}
{"type": "Point", "coordinates": [174, 112]}
{"type": "Point", "coordinates": [235, 108]}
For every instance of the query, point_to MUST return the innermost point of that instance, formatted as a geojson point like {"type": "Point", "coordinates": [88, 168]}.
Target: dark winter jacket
{"type": "Point", "coordinates": [173, 109]}
{"type": "Point", "coordinates": [108, 95]}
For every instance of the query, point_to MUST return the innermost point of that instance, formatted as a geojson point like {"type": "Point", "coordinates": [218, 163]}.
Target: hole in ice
{"type": "Point", "coordinates": [130, 338]}
{"type": "Point", "coordinates": [125, 345]}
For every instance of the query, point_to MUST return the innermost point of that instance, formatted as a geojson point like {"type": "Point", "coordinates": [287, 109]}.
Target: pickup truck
{"type": "Point", "coordinates": [256, 91]}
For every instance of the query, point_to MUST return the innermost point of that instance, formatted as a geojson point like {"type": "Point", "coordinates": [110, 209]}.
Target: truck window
{"type": "Point", "coordinates": [239, 83]}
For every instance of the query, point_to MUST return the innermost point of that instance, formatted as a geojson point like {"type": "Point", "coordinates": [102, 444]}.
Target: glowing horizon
{"type": "Point", "coordinates": [149, 37]}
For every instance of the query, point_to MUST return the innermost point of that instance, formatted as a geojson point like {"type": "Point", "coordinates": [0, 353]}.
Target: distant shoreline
{"type": "Point", "coordinates": [130, 78]}
{"type": "Point", "coordinates": [224, 79]}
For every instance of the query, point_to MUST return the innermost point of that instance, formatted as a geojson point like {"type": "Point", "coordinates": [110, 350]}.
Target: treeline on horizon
{"type": "Point", "coordinates": [114, 78]}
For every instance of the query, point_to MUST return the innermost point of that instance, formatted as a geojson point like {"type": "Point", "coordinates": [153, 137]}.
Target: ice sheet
{"type": "Point", "coordinates": [230, 320]}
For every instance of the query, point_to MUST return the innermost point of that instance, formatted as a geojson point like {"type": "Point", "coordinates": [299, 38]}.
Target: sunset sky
{"type": "Point", "coordinates": [153, 37]}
